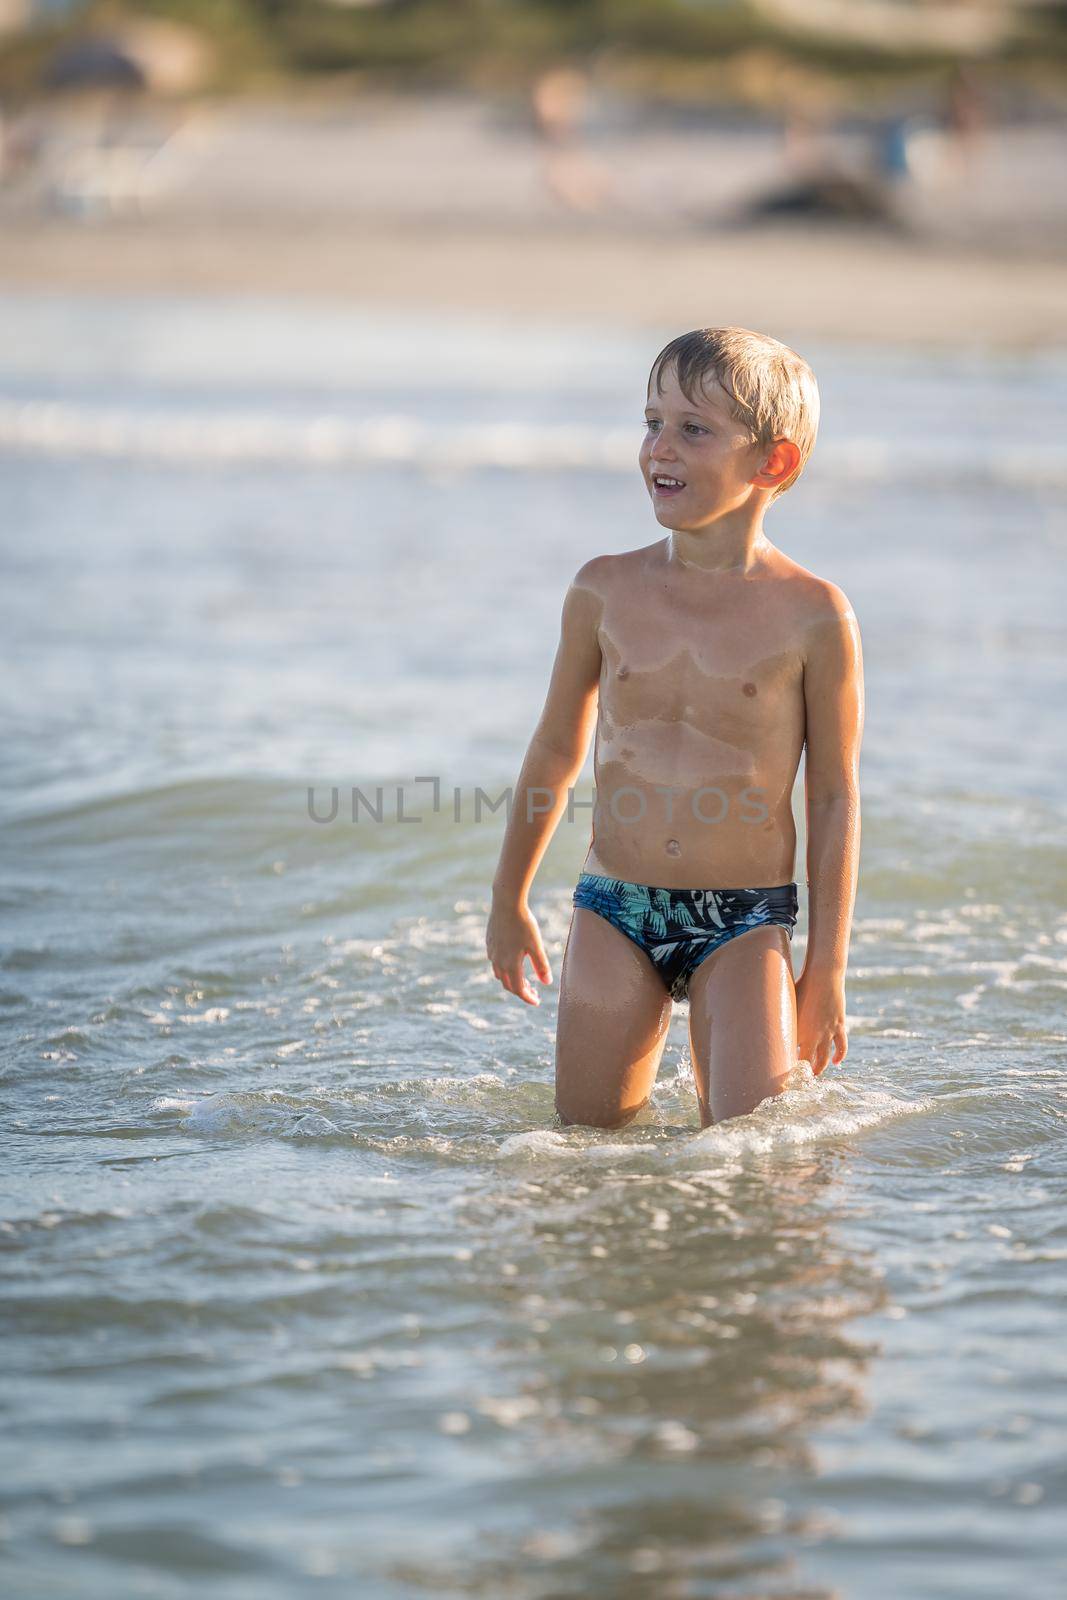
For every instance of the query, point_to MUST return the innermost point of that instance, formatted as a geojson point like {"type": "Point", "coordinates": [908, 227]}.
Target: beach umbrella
{"type": "Point", "coordinates": [93, 63]}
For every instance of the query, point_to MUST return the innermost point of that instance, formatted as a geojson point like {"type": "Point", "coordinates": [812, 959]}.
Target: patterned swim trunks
{"type": "Point", "coordinates": [679, 928]}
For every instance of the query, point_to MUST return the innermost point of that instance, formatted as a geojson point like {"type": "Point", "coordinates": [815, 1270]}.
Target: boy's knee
{"type": "Point", "coordinates": [574, 1115]}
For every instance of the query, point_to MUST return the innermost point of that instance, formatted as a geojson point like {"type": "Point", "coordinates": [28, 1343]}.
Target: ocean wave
{"type": "Point", "coordinates": [225, 1115]}
{"type": "Point", "coordinates": [186, 799]}
{"type": "Point", "coordinates": [59, 429]}
{"type": "Point", "coordinates": [812, 1110]}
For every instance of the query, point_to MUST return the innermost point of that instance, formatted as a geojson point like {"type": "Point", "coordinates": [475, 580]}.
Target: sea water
{"type": "Point", "coordinates": [304, 1292]}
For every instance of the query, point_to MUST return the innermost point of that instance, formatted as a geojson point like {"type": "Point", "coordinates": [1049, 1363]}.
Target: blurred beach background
{"type": "Point", "coordinates": [324, 330]}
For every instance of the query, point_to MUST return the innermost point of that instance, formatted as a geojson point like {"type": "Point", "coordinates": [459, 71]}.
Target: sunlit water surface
{"type": "Point", "coordinates": [304, 1292]}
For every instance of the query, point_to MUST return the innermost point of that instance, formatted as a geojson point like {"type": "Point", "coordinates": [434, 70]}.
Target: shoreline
{"type": "Point", "coordinates": [455, 205]}
{"type": "Point", "coordinates": [830, 283]}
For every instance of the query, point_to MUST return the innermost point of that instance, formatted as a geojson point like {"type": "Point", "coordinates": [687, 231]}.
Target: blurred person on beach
{"type": "Point", "coordinates": [706, 662]}
{"type": "Point", "coordinates": [964, 121]}
{"type": "Point", "coordinates": [559, 102]}
{"type": "Point", "coordinates": [940, 154]}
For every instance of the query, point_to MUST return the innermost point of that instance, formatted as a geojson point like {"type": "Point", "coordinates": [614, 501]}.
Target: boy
{"type": "Point", "coordinates": [707, 661]}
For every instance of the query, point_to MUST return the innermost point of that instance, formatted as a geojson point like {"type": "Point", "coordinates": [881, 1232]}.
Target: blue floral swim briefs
{"type": "Point", "coordinates": [679, 928]}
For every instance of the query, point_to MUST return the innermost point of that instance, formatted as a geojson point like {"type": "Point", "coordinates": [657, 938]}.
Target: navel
{"type": "Point", "coordinates": [673, 847]}
{"type": "Point", "coordinates": [623, 672]}
{"type": "Point", "coordinates": [749, 689]}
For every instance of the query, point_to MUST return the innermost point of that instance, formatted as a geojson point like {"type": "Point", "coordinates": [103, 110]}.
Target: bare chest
{"type": "Point", "coordinates": [713, 668]}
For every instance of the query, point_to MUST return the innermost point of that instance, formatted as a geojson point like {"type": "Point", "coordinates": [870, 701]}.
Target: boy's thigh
{"type": "Point", "coordinates": [743, 1023]}
{"type": "Point", "coordinates": [614, 1012]}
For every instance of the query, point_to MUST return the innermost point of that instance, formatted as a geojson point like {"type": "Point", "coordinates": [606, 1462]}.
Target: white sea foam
{"type": "Point", "coordinates": [229, 1113]}
{"type": "Point", "coordinates": [550, 1144]}
{"type": "Point", "coordinates": [312, 1125]}
{"type": "Point", "coordinates": [62, 428]}
{"type": "Point", "coordinates": [812, 1110]}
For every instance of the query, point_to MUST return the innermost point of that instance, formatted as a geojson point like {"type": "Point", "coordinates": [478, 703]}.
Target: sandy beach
{"type": "Point", "coordinates": [832, 286]}
{"type": "Point", "coordinates": [448, 205]}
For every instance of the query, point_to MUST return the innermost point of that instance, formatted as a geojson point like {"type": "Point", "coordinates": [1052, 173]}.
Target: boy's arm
{"type": "Point", "coordinates": [554, 759]}
{"type": "Point", "coordinates": [834, 706]}
{"type": "Point", "coordinates": [559, 744]}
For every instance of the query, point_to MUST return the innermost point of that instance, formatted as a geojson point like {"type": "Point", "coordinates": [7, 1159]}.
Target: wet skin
{"type": "Point", "coordinates": [702, 662]}
{"type": "Point", "coordinates": [700, 689]}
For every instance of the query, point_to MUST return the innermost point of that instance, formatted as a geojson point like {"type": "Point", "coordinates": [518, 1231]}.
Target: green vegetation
{"type": "Point", "coordinates": [680, 50]}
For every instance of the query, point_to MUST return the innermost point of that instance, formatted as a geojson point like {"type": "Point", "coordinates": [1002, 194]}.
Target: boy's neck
{"type": "Point", "coordinates": [718, 549]}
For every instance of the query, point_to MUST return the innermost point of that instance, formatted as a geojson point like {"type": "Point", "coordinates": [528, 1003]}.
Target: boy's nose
{"type": "Point", "coordinates": [660, 447]}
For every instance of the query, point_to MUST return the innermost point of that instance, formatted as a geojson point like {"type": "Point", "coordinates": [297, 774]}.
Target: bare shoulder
{"type": "Point", "coordinates": [601, 572]}
{"type": "Point", "coordinates": [593, 575]}
{"type": "Point", "coordinates": [816, 599]}
{"type": "Point", "coordinates": [588, 592]}
{"type": "Point", "coordinates": [604, 583]}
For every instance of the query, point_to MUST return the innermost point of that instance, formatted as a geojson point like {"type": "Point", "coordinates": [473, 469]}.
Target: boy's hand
{"type": "Point", "coordinates": [511, 936]}
{"type": "Point", "coordinates": [821, 1031]}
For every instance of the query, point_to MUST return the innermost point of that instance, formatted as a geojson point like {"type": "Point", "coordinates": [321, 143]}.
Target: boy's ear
{"type": "Point", "coordinates": [780, 462]}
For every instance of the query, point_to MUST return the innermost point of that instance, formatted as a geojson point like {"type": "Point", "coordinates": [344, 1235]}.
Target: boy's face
{"type": "Point", "coordinates": [698, 444]}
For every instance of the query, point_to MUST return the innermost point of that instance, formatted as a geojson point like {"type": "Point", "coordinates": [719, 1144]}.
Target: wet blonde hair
{"type": "Point", "coordinates": [771, 390]}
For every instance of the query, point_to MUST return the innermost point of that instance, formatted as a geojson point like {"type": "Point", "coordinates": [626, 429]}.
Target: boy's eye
{"type": "Point", "coordinates": [652, 423]}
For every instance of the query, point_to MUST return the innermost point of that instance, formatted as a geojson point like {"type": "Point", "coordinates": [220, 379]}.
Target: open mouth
{"type": "Point", "coordinates": [664, 485]}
